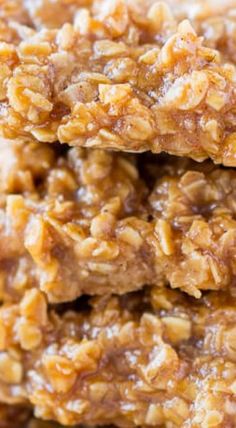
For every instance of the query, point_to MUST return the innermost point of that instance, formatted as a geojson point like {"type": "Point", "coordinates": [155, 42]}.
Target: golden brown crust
{"type": "Point", "coordinates": [114, 80]}
{"type": "Point", "coordinates": [85, 222]}
{"type": "Point", "coordinates": [130, 361]}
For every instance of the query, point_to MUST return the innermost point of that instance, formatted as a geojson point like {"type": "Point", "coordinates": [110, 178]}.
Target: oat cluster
{"type": "Point", "coordinates": [117, 267]}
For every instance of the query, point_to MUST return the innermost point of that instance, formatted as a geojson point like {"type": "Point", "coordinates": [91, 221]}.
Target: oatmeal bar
{"type": "Point", "coordinates": [85, 222]}
{"type": "Point", "coordinates": [19, 415]}
{"type": "Point", "coordinates": [103, 82]}
{"type": "Point", "coordinates": [159, 360]}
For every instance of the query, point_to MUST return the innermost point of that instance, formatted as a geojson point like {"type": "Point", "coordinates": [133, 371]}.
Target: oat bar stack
{"type": "Point", "coordinates": [118, 213]}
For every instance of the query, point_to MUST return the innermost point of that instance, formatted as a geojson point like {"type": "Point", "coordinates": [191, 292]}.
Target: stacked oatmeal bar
{"type": "Point", "coordinates": [118, 213]}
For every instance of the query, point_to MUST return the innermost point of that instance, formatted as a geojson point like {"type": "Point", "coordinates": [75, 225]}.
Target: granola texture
{"type": "Point", "coordinates": [121, 77]}
{"type": "Point", "coordinates": [159, 360]}
{"type": "Point", "coordinates": [151, 238]}
{"type": "Point", "coordinates": [87, 222]}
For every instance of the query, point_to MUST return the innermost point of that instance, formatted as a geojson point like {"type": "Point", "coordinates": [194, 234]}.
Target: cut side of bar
{"type": "Point", "coordinates": [86, 222]}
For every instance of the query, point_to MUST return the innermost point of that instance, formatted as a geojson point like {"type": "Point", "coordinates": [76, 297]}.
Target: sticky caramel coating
{"type": "Point", "coordinates": [159, 360]}
{"type": "Point", "coordinates": [110, 81]}
{"type": "Point", "coordinates": [85, 222]}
